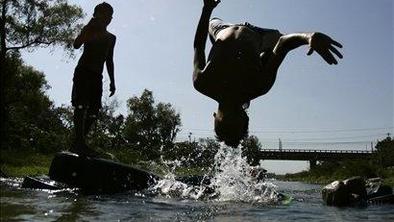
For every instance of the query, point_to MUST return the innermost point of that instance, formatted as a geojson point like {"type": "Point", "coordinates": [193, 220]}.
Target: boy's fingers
{"type": "Point", "coordinates": [334, 50]}
{"type": "Point", "coordinates": [336, 43]}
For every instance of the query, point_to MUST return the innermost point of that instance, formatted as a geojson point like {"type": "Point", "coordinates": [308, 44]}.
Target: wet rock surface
{"type": "Point", "coordinates": [356, 191]}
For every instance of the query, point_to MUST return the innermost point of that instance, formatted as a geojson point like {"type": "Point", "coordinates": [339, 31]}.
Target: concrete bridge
{"type": "Point", "coordinates": [313, 155]}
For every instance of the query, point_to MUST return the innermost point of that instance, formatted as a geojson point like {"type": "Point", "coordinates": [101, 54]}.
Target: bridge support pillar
{"type": "Point", "coordinates": [312, 164]}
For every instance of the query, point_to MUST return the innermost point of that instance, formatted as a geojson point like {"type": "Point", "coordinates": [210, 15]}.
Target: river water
{"type": "Point", "coordinates": [237, 196]}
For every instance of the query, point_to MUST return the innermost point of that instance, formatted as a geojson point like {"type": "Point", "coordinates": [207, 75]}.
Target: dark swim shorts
{"type": "Point", "coordinates": [216, 25]}
{"type": "Point", "coordinates": [87, 89]}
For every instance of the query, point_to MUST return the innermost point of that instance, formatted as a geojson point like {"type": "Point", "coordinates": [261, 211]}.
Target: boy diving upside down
{"type": "Point", "coordinates": [242, 65]}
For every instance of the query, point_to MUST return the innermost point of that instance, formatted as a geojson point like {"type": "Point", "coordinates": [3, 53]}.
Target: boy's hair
{"type": "Point", "coordinates": [103, 8]}
{"type": "Point", "coordinates": [232, 134]}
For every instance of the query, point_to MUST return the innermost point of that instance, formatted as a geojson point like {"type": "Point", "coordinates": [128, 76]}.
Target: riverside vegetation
{"type": "Point", "coordinates": [381, 165]}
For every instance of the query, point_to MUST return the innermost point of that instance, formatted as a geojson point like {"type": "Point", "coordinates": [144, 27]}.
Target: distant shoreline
{"type": "Point", "coordinates": [308, 177]}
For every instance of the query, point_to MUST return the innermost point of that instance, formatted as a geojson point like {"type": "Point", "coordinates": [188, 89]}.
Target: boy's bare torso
{"type": "Point", "coordinates": [234, 69]}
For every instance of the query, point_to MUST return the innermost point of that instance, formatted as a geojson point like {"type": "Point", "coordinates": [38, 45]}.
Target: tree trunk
{"type": "Point", "coordinates": [3, 109]}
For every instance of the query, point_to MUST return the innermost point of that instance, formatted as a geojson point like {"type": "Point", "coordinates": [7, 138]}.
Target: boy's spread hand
{"type": "Point", "coordinates": [324, 45]}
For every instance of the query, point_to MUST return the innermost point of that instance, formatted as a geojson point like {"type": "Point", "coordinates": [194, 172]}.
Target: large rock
{"type": "Point", "coordinates": [95, 175]}
{"type": "Point", "coordinates": [335, 194]}
{"type": "Point", "coordinates": [344, 193]}
{"type": "Point", "coordinates": [356, 187]}
{"type": "Point", "coordinates": [376, 188]}
{"type": "Point", "coordinates": [379, 193]}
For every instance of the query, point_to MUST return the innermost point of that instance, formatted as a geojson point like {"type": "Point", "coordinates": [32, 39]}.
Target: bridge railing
{"type": "Point", "coordinates": [317, 151]}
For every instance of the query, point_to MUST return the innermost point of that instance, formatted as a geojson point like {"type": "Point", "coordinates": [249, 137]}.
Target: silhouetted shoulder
{"type": "Point", "coordinates": [111, 36]}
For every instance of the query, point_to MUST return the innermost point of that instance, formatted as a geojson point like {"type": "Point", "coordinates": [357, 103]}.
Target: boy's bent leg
{"type": "Point", "coordinates": [79, 125]}
{"type": "Point", "coordinates": [259, 29]}
{"type": "Point", "coordinates": [269, 37]}
{"type": "Point", "coordinates": [91, 118]}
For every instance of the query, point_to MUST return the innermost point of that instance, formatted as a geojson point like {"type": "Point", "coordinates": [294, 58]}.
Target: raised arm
{"type": "Point", "coordinates": [319, 42]}
{"type": "Point", "coordinates": [110, 67]}
{"type": "Point", "coordinates": [200, 38]}
{"type": "Point", "coordinates": [81, 38]}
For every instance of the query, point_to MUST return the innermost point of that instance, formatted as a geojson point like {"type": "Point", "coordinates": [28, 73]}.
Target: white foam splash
{"type": "Point", "coordinates": [231, 181]}
{"type": "Point", "coordinates": [234, 182]}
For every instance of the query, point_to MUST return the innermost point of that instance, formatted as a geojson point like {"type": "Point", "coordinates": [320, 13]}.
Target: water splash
{"type": "Point", "coordinates": [230, 179]}
{"type": "Point", "coordinates": [233, 179]}
{"type": "Point", "coordinates": [170, 187]}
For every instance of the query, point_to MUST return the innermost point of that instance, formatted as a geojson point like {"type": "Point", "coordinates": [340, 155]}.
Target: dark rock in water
{"type": "Point", "coordinates": [376, 188]}
{"type": "Point", "coordinates": [95, 175]}
{"type": "Point", "coordinates": [34, 183]}
{"type": "Point", "coordinates": [356, 191]}
{"type": "Point", "coordinates": [335, 194]}
{"type": "Point", "coordinates": [382, 190]}
{"type": "Point", "coordinates": [356, 187]}
{"type": "Point", "coordinates": [344, 193]}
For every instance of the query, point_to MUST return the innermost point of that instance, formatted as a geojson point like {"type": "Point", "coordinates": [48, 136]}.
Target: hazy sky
{"type": "Point", "coordinates": [311, 104]}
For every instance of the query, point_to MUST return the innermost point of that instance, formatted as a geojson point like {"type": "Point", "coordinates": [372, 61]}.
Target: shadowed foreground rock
{"type": "Point", "coordinates": [355, 191]}
{"type": "Point", "coordinates": [95, 175]}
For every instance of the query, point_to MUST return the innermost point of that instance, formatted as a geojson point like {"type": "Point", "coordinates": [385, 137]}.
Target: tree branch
{"type": "Point", "coordinates": [35, 42]}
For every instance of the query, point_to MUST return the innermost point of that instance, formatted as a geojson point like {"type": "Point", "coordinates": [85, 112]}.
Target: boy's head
{"type": "Point", "coordinates": [231, 127]}
{"type": "Point", "coordinates": [103, 11]}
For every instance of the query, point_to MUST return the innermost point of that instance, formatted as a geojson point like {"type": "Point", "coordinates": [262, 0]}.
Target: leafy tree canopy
{"type": "Point", "coordinates": [385, 151]}
{"type": "Point", "coordinates": [27, 24]}
{"type": "Point", "coordinates": [34, 122]}
{"type": "Point", "coordinates": [149, 126]}
{"type": "Point", "coordinates": [32, 23]}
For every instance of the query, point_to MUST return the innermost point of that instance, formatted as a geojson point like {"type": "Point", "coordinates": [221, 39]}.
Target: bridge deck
{"type": "Point", "coordinates": [304, 154]}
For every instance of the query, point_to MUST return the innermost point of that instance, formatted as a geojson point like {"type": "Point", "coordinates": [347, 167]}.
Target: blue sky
{"type": "Point", "coordinates": [310, 105]}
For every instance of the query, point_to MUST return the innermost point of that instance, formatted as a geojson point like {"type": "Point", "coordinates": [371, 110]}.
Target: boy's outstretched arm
{"type": "Point", "coordinates": [201, 35]}
{"type": "Point", "coordinates": [319, 42]}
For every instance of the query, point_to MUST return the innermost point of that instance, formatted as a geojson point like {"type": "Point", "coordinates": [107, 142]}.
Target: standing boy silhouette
{"type": "Point", "coordinates": [87, 82]}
